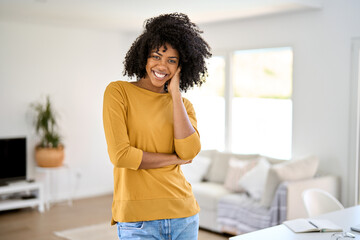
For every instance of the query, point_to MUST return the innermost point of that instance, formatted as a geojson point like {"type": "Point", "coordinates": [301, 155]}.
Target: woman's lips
{"type": "Point", "coordinates": [159, 75]}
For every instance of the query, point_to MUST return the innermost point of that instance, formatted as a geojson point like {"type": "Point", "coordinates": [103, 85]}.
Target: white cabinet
{"type": "Point", "coordinates": [23, 189]}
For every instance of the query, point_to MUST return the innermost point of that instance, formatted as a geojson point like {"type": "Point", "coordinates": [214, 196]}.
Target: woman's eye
{"type": "Point", "coordinates": [172, 61]}
{"type": "Point", "coordinates": [155, 57]}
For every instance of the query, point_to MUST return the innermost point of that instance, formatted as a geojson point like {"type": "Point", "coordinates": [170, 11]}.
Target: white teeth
{"type": "Point", "coordinates": [159, 75]}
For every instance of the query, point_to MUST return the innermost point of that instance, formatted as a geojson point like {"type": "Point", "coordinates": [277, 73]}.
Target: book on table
{"type": "Point", "coordinates": [302, 225]}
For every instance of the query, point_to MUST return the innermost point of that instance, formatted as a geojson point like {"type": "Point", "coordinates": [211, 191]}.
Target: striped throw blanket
{"type": "Point", "coordinates": [238, 213]}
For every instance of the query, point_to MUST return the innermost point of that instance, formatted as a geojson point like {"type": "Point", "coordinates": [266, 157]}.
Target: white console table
{"type": "Point", "coordinates": [36, 189]}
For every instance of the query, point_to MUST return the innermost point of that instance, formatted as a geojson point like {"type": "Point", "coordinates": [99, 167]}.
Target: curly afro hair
{"type": "Point", "coordinates": [177, 30]}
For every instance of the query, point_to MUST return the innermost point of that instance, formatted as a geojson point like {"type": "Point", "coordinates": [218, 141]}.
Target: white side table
{"type": "Point", "coordinates": [51, 183]}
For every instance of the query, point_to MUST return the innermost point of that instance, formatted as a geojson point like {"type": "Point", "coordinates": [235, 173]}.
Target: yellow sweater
{"type": "Point", "coordinates": [137, 120]}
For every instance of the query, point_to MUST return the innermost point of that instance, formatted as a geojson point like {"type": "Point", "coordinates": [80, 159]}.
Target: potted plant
{"type": "Point", "coordinates": [50, 151]}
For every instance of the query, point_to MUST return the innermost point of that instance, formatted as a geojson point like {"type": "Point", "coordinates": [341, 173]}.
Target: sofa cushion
{"type": "Point", "coordinates": [236, 170]}
{"type": "Point", "coordinates": [195, 171]}
{"type": "Point", "coordinates": [208, 194]}
{"type": "Point", "coordinates": [220, 163]}
{"type": "Point", "coordinates": [254, 180]}
{"type": "Point", "coordinates": [288, 171]}
{"type": "Point", "coordinates": [236, 200]}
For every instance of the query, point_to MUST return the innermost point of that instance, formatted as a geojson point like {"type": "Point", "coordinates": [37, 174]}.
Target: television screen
{"type": "Point", "coordinates": [12, 159]}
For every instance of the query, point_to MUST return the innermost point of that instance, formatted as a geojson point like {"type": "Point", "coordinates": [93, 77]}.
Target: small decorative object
{"type": "Point", "coordinates": [49, 152]}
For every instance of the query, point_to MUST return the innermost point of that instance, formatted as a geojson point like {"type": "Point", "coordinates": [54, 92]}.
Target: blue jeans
{"type": "Point", "coordinates": [164, 229]}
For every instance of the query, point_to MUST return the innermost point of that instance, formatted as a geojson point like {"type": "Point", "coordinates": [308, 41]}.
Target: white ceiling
{"type": "Point", "coordinates": [129, 15]}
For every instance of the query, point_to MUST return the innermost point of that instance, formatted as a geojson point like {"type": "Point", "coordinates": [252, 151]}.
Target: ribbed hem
{"type": "Point", "coordinates": [153, 209]}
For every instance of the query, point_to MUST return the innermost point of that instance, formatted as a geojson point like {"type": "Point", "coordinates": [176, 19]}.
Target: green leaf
{"type": "Point", "coordinates": [45, 124]}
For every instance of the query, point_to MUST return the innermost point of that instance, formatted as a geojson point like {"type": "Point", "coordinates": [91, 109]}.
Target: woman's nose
{"type": "Point", "coordinates": [162, 65]}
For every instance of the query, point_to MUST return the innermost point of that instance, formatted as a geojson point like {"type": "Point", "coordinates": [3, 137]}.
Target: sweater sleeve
{"type": "Point", "coordinates": [121, 154]}
{"type": "Point", "coordinates": [187, 148]}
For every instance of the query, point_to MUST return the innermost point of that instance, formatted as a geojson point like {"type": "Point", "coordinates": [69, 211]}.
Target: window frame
{"type": "Point", "coordinates": [228, 94]}
{"type": "Point", "coordinates": [353, 175]}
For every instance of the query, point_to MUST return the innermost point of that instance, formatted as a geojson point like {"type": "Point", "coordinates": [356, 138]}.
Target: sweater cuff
{"type": "Point", "coordinates": [187, 148]}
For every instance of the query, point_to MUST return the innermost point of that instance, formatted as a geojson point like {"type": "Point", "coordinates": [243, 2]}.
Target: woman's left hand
{"type": "Point", "coordinates": [174, 83]}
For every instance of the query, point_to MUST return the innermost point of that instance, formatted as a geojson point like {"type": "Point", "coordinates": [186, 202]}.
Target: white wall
{"type": "Point", "coordinates": [321, 42]}
{"type": "Point", "coordinates": [73, 66]}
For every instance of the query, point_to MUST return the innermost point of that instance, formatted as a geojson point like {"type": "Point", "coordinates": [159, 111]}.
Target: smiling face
{"type": "Point", "coordinates": [161, 66]}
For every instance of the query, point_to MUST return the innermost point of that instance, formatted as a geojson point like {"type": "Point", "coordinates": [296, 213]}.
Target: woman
{"type": "Point", "coordinates": [151, 130]}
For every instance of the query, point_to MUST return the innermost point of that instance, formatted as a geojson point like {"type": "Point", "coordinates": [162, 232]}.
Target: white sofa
{"type": "Point", "coordinates": [223, 210]}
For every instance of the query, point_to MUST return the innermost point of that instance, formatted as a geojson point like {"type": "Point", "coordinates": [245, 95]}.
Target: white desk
{"type": "Point", "coordinates": [344, 218]}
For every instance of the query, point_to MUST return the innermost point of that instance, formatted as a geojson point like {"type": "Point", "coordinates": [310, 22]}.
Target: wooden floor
{"type": "Point", "coordinates": [30, 224]}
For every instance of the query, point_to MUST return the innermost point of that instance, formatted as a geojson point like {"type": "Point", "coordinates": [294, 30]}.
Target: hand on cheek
{"type": "Point", "coordinates": [174, 83]}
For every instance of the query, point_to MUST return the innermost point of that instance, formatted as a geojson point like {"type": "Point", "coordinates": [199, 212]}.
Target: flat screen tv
{"type": "Point", "coordinates": [12, 159]}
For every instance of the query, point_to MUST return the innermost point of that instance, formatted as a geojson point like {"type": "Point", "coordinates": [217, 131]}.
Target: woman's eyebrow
{"type": "Point", "coordinates": [162, 55]}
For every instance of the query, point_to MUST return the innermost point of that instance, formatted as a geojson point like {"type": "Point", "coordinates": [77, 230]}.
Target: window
{"type": "Point", "coordinates": [209, 104]}
{"type": "Point", "coordinates": [261, 104]}
{"type": "Point", "coordinates": [245, 105]}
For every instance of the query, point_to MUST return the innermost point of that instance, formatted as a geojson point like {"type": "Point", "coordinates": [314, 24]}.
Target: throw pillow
{"type": "Point", "coordinates": [237, 168]}
{"type": "Point", "coordinates": [289, 171]}
{"type": "Point", "coordinates": [219, 166]}
{"type": "Point", "coordinates": [195, 171]}
{"type": "Point", "coordinates": [254, 180]}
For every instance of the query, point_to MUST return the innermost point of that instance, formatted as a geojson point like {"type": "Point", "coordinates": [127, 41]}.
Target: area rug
{"type": "Point", "coordinates": [101, 231]}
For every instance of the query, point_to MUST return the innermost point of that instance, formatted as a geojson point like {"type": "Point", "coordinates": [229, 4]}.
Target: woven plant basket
{"type": "Point", "coordinates": [49, 157]}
